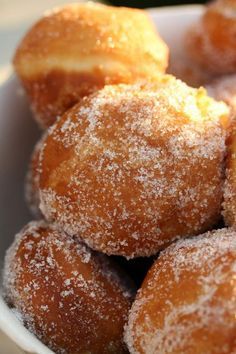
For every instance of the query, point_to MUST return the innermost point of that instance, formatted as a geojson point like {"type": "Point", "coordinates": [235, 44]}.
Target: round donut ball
{"type": "Point", "coordinates": [77, 49]}
{"type": "Point", "coordinates": [72, 299]}
{"type": "Point", "coordinates": [32, 181]}
{"type": "Point", "coordinates": [224, 88]}
{"type": "Point", "coordinates": [132, 167]}
{"type": "Point", "coordinates": [187, 301]}
{"type": "Point", "coordinates": [211, 42]}
{"type": "Point", "coordinates": [229, 204]}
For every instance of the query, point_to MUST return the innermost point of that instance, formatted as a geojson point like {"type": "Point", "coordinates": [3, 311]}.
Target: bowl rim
{"type": "Point", "coordinates": [19, 334]}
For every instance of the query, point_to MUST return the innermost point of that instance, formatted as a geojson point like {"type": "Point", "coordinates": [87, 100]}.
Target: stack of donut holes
{"type": "Point", "coordinates": [132, 163]}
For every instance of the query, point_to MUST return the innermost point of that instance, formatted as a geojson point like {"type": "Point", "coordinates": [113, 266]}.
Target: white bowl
{"type": "Point", "coordinates": [18, 133]}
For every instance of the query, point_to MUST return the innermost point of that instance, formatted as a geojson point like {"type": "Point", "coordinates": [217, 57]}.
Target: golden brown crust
{"type": "Point", "coordinates": [122, 169]}
{"type": "Point", "coordinates": [224, 88]}
{"type": "Point", "coordinates": [77, 49]}
{"type": "Point", "coordinates": [229, 204]}
{"type": "Point", "coordinates": [55, 92]}
{"type": "Point", "coordinates": [187, 301]}
{"type": "Point", "coordinates": [32, 181]}
{"type": "Point", "coordinates": [73, 299]}
{"type": "Point", "coordinates": [211, 43]}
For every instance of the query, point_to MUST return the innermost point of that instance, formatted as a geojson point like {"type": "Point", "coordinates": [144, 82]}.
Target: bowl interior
{"type": "Point", "coordinates": [18, 134]}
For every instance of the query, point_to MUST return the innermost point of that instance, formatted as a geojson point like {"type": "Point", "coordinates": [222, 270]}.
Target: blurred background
{"type": "Point", "coordinates": [153, 3]}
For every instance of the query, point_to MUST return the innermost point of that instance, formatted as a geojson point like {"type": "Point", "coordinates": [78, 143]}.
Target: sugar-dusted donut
{"type": "Point", "coordinates": [132, 167]}
{"type": "Point", "coordinates": [72, 299]}
{"type": "Point", "coordinates": [77, 49]}
{"type": "Point", "coordinates": [229, 204]}
{"type": "Point", "coordinates": [211, 42]}
{"type": "Point", "coordinates": [32, 181]}
{"type": "Point", "coordinates": [187, 301]}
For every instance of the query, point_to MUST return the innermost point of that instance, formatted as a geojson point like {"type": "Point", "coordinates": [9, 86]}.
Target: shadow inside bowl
{"type": "Point", "coordinates": [18, 134]}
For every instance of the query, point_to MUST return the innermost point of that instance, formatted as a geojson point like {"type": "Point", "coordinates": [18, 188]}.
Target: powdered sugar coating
{"type": "Point", "coordinates": [187, 303]}
{"type": "Point", "coordinates": [122, 169]}
{"type": "Point", "coordinates": [229, 204]}
{"type": "Point", "coordinates": [224, 88]}
{"type": "Point", "coordinates": [211, 42]}
{"type": "Point", "coordinates": [32, 180]}
{"type": "Point", "coordinates": [73, 299]}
